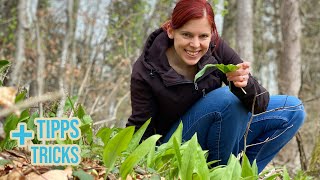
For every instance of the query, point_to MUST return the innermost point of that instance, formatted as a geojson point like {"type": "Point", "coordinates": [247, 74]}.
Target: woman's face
{"type": "Point", "coordinates": [191, 41]}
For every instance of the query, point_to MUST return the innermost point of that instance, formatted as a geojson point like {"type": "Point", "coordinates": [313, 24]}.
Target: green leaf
{"type": "Point", "coordinates": [115, 146]}
{"type": "Point", "coordinates": [137, 155]}
{"type": "Point", "coordinates": [187, 160]}
{"type": "Point", "coordinates": [82, 175]}
{"type": "Point", "coordinates": [104, 133]}
{"type": "Point", "coordinates": [233, 169]}
{"type": "Point", "coordinates": [87, 119]}
{"type": "Point", "coordinates": [227, 68]}
{"type": "Point", "coordinates": [4, 63]}
{"type": "Point", "coordinates": [137, 136]}
{"type": "Point", "coordinates": [21, 96]}
{"type": "Point", "coordinates": [246, 167]}
{"type": "Point", "coordinates": [285, 174]}
{"type": "Point", "coordinates": [81, 112]}
{"type": "Point", "coordinates": [222, 67]}
{"type": "Point", "coordinates": [201, 168]}
{"type": "Point", "coordinates": [217, 173]}
{"type": "Point", "coordinates": [13, 120]}
{"type": "Point", "coordinates": [203, 70]}
{"type": "Point", "coordinates": [177, 134]}
{"type": "Point", "coordinates": [255, 168]}
{"type": "Point", "coordinates": [272, 177]}
{"type": "Point", "coordinates": [176, 147]}
{"type": "Point", "coordinates": [30, 122]}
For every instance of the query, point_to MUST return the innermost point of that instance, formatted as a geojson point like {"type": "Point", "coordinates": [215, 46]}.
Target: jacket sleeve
{"type": "Point", "coordinates": [142, 102]}
{"type": "Point", "coordinates": [253, 89]}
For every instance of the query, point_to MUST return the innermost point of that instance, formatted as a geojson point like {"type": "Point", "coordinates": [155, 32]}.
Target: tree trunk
{"type": "Point", "coordinates": [19, 56]}
{"type": "Point", "coordinates": [290, 64]}
{"type": "Point", "coordinates": [244, 30]}
{"type": "Point", "coordinates": [219, 14]}
{"type": "Point", "coordinates": [64, 56]}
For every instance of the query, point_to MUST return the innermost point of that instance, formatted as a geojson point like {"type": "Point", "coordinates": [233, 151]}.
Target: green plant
{"type": "Point", "coordinates": [222, 67]}
{"type": "Point", "coordinates": [4, 65]}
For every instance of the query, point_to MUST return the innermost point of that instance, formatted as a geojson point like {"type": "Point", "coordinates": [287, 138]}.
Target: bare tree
{"type": "Point", "coordinates": [244, 33]}
{"type": "Point", "coordinates": [290, 64]}
{"type": "Point", "coordinates": [64, 56]}
{"type": "Point", "coordinates": [20, 56]}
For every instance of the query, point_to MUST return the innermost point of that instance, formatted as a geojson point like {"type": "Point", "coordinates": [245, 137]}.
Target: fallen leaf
{"type": "Point", "coordinates": [7, 96]}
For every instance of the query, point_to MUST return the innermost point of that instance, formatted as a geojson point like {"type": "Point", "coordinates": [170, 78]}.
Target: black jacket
{"type": "Point", "coordinates": [160, 93]}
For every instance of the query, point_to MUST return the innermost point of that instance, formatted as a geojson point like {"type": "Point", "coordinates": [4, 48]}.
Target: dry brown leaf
{"type": "Point", "coordinates": [7, 96]}
{"type": "Point", "coordinates": [15, 175]}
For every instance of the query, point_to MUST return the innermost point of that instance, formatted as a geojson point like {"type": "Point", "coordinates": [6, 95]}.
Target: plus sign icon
{"type": "Point", "coordinates": [49, 130]}
{"type": "Point", "coordinates": [22, 134]}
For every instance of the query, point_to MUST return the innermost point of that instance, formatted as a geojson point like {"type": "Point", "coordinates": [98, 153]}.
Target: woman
{"type": "Point", "coordinates": [162, 88]}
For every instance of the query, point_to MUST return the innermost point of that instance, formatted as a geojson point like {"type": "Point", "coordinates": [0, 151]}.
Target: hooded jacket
{"type": "Point", "coordinates": [160, 93]}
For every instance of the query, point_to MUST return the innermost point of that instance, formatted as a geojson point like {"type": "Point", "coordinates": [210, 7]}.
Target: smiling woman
{"type": "Point", "coordinates": [164, 88]}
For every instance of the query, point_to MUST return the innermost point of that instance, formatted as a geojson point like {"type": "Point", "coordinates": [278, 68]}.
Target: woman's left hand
{"type": "Point", "coordinates": [240, 77]}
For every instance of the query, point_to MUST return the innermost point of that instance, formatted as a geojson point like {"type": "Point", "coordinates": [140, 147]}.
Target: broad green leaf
{"type": "Point", "coordinates": [81, 112]}
{"type": "Point", "coordinates": [187, 160]}
{"type": "Point", "coordinates": [255, 168]}
{"type": "Point", "coordinates": [246, 167]}
{"type": "Point", "coordinates": [203, 70]}
{"type": "Point", "coordinates": [104, 133]}
{"type": "Point", "coordinates": [285, 174]}
{"type": "Point", "coordinates": [115, 146]}
{"type": "Point", "coordinates": [201, 168]}
{"type": "Point", "coordinates": [82, 175]}
{"type": "Point", "coordinates": [13, 120]}
{"type": "Point", "coordinates": [233, 169]}
{"type": "Point", "coordinates": [21, 96]}
{"type": "Point", "coordinates": [177, 134]}
{"type": "Point", "coordinates": [87, 119]}
{"type": "Point", "coordinates": [272, 177]}
{"type": "Point", "coordinates": [227, 68]}
{"type": "Point", "coordinates": [137, 155]}
{"type": "Point", "coordinates": [150, 158]}
{"type": "Point", "coordinates": [218, 173]}
{"type": "Point", "coordinates": [30, 122]}
{"type": "Point", "coordinates": [137, 136]}
{"type": "Point", "coordinates": [176, 147]}
{"type": "Point", "coordinates": [4, 63]}
{"type": "Point", "coordinates": [222, 67]}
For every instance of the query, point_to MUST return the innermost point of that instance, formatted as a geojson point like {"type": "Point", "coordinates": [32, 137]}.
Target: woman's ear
{"type": "Point", "coordinates": [170, 32]}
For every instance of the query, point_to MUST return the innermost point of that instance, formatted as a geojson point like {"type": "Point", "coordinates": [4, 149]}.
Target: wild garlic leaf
{"type": "Point", "coordinates": [227, 68]}
{"type": "Point", "coordinates": [222, 67]}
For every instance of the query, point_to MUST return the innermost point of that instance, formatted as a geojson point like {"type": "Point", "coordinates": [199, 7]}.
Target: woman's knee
{"type": "Point", "coordinates": [296, 106]}
{"type": "Point", "coordinates": [224, 97]}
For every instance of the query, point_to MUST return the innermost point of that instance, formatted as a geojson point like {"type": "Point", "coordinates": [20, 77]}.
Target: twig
{"type": "Point", "coordinates": [251, 119]}
{"type": "Point", "coordinates": [30, 102]}
{"type": "Point", "coordinates": [303, 158]}
{"type": "Point", "coordinates": [114, 117]}
{"type": "Point", "coordinates": [268, 140]}
{"type": "Point", "coordinates": [278, 109]}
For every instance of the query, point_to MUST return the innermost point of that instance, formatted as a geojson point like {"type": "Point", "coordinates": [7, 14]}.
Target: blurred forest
{"type": "Point", "coordinates": [85, 49]}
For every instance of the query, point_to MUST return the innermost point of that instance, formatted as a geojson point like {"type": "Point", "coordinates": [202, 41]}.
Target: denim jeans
{"type": "Point", "coordinates": [220, 121]}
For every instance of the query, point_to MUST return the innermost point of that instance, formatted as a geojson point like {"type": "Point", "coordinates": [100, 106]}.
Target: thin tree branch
{"type": "Point", "coordinates": [30, 102]}
{"type": "Point", "coordinates": [269, 139]}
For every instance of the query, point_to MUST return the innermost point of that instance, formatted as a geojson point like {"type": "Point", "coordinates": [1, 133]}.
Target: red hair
{"type": "Point", "coordinates": [186, 10]}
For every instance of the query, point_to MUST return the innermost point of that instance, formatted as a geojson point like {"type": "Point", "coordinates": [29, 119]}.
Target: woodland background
{"type": "Point", "coordinates": [85, 49]}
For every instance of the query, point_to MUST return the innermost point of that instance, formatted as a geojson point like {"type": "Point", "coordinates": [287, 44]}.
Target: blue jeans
{"type": "Point", "coordinates": [220, 120]}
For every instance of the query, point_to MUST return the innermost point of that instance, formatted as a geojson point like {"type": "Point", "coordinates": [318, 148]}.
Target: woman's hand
{"type": "Point", "coordinates": [240, 77]}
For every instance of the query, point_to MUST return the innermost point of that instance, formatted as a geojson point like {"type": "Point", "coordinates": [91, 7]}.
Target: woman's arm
{"type": "Point", "coordinates": [142, 102]}
{"type": "Point", "coordinates": [253, 88]}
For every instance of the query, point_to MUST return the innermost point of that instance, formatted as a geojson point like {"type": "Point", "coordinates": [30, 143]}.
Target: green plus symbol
{"type": "Point", "coordinates": [21, 134]}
